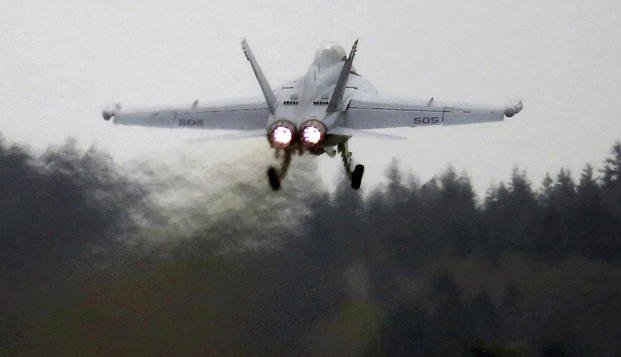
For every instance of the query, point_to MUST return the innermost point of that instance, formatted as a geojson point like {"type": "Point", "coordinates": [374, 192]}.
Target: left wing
{"type": "Point", "coordinates": [377, 113]}
{"type": "Point", "coordinates": [246, 116]}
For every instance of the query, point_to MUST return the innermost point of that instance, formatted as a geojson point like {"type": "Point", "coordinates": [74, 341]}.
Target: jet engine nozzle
{"type": "Point", "coordinates": [281, 134]}
{"type": "Point", "coordinates": [312, 133]}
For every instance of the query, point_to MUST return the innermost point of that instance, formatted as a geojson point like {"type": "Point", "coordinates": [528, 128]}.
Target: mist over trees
{"type": "Point", "coordinates": [411, 269]}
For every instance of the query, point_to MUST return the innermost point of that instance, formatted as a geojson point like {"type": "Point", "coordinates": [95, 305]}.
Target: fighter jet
{"type": "Point", "coordinates": [315, 114]}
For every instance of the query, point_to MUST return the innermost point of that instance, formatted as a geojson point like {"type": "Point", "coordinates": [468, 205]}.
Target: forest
{"type": "Point", "coordinates": [95, 259]}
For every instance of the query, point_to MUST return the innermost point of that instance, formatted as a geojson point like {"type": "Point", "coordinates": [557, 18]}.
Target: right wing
{"type": "Point", "coordinates": [246, 116]}
{"type": "Point", "coordinates": [378, 113]}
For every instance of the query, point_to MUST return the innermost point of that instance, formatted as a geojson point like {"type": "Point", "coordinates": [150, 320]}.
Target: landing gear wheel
{"type": "Point", "coordinates": [273, 178]}
{"type": "Point", "coordinates": [356, 177]}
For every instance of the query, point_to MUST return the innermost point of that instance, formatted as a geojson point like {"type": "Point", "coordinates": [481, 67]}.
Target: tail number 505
{"type": "Point", "coordinates": [426, 120]}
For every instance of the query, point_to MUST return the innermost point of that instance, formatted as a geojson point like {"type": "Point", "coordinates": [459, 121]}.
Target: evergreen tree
{"type": "Point", "coordinates": [592, 216]}
{"type": "Point", "coordinates": [429, 216]}
{"type": "Point", "coordinates": [612, 168]}
{"type": "Point", "coordinates": [588, 184]}
{"type": "Point", "coordinates": [460, 218]}
{"type": "Point", "coordinates": [493, 239]}
{"type": "Point", "coordinates": [404, 211]}
{"type": "Point", "coordinates": [559, 226]}
{"type": "Point", "coordinates": [396, 191]}
{"type": "Point", "coordinates": [611, 192]}
{"type": "Point", "coordinates": [511, 217]}
{"type": "Point", "coordinates": [547, 185]}
{"type": "Point", "coordinates": [524, 212]}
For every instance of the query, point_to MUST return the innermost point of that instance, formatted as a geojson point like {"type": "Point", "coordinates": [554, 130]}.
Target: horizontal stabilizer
{"type": "Point", "coordinates": [365, 134]}
{"type": "Point", "coordinates": [232, 136]}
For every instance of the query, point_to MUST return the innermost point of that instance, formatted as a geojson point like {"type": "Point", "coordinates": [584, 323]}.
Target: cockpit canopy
{"type": "Point", "coordinates": [329, 54]}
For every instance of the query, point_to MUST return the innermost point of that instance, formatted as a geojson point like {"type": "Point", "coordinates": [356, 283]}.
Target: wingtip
{"type": "Point", "coordinates": [511, 111]}
{"type": "Point", "coordinates": [109, 114]}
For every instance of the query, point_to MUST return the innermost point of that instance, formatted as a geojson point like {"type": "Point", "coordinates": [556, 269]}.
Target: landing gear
{"type": "Point", "coordinates": [275, 176]}
{"type": "Point", "coordinates": [272, 177]}
{"type": "Point", "coordinates": [356, 175]}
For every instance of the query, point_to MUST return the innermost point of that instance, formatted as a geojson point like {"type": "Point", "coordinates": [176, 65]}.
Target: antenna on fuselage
{"type": "Point", "coordinates": [270, 98]}
{"type": "Point", "coordinates": [341, 83]}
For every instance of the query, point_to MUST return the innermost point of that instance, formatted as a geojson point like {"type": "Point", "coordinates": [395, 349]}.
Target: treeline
{"type": "Point", "coordinates": [559, 219]}
{"type": "Point", "coordinates": [413, 269]}
{"type": "Point", "coordinates": [521, 273]}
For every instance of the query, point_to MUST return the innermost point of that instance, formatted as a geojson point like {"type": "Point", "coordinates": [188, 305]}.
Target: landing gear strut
{"type": "Point", "coordinates": [356, 175]}
{"type": "Point", "coordinates": [275, 176]}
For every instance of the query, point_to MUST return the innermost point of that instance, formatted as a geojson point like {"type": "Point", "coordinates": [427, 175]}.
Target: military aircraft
{"type": "Point", "coordinates": [316, 114]}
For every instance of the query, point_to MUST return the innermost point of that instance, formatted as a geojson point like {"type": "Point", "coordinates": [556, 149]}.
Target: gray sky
{"type": "Point", "coordinates": [61, 62]}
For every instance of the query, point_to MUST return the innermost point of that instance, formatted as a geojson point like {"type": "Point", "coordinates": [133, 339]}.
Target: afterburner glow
{"type": "Point", "coordinates": [311, 135]}
{"type": "Point", "coordinates": [281, 136]}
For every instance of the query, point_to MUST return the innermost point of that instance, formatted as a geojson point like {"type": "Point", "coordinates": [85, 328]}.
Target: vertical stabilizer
{"type": "Point", "coordinates": [341, 83]}
{"type": "Point", "coordinates": [270, 98]}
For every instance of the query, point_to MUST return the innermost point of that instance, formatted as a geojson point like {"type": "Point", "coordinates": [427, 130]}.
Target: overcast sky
{"type": "Point", "coordinates": [61, 62]}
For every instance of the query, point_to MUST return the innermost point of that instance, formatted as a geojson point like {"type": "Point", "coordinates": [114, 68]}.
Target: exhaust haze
{"type": "Point", "coordinates": [101, 259]}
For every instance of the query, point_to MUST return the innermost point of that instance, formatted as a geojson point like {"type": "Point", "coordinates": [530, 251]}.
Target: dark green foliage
{"type": "Point", "coordinates": [512, 217]}
{"type": "Point", "coordinates": [55, 210]}
{"type": "Point", "coordinates": [413, 269]}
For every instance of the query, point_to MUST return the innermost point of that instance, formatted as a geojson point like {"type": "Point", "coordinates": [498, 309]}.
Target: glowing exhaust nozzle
{"type": "Point", "coordinates": [312, 133]}
{"type": "Point", "coordinates": [281, 134]}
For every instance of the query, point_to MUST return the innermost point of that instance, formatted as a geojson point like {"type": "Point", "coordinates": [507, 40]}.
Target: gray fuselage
{"type": "Point", "coordinates": [307, 97]}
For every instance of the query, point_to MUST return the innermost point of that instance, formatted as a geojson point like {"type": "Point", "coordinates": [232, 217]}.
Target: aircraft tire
{"type": "Point", "coordinates": [273, 178]}
{"type": "Point", "coordinates": [356, 177]}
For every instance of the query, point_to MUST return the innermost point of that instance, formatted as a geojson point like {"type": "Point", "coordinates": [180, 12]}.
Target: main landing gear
{"type": "Point", "coordinates": [356, 175]}
{"type": "Point", "coordinates": [275, 176]}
